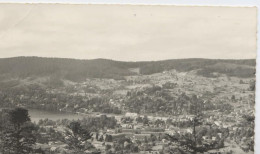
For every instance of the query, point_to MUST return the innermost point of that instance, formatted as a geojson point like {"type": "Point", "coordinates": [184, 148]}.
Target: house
{"type": "Point", "coordinates": [127, 126]}
{"type": "Point", "coordinates": [189, 130]}
{"type": "Point", "coordinates": [220, 135]}
{"type": "Point", "coordinates": [131, 115]}
{"type": "Point", "coordinates": [141, 136]}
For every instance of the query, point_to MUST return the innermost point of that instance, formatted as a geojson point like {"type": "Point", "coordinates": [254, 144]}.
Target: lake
{"type": "Point", "coordinates": [36, 115]}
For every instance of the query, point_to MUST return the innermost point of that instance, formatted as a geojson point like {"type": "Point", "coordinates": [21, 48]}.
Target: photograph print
{"type": "Point", "coordinates": [127, 79]}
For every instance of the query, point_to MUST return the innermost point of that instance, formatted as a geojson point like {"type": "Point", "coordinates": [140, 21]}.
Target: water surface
{"type": "Point", "coordinates": [36, 115]}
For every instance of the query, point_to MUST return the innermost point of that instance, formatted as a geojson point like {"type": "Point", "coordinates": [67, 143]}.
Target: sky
{"type": "Point", "coordinates": [127, 32]}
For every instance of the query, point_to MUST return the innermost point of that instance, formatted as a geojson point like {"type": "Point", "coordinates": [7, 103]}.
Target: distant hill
{"type": "Point", "coordinates": [78, 70]}
{"type": "Point", "coordinates": [205, 67]}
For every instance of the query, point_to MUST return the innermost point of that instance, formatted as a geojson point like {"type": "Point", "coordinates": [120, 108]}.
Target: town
{"type": "Point", "coordinates": [167, 112]}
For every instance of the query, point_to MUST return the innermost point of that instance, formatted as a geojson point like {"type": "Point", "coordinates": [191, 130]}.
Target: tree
{"type": "Point", "coordinates": [109, 138]}
{"type": "Point", "coordinates": [196, 121]}
{"type": "Point", "coordinates": [134, 148]}
{"type": "Point", "coordinates": [153, 138]}
{"type": "Point", "coordinates": [209, 124]}
{"type": "Point", "coordinates": [18, 132]}
{"type": "Point", "coordinates": [76, 137]}
{"type": "Point", "coordinates": [139, 119]}
{"type": "Point", "coordinates": [233, 98]}
{"type": "Point", "coordinates": [252, 85]}
{"type": "Point", "coordinates": [19, 116]}
{"type": "Point", "coordinates": [185, 142]}
{"type": "Point", "coordinates": [145, 120]}
{"type": "Point", "coordinates": [249, 123]}
{"type": "Point", "coordinates": [190, 142]}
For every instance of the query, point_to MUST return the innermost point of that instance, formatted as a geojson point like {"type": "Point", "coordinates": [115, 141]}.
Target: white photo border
{"type": "Point", "coordinates": [232, 3]}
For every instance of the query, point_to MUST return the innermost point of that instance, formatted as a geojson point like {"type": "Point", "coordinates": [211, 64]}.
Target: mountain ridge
{"type": "Point", "coordinates": [79, 69]}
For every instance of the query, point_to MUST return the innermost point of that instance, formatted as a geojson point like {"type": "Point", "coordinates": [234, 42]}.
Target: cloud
{"type": "Point", "coordinates": [124, 32]}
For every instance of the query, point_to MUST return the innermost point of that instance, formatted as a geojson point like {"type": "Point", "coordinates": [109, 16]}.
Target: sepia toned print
{"type": "Point", "coordinates": [127, 79]}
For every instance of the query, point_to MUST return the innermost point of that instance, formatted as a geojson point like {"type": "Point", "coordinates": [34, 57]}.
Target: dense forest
{"type": "Point", "coordinates": [78, 70]}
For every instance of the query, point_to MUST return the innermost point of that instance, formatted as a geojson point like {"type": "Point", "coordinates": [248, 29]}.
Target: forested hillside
{"type": "Point", "coordinates": [78, 70]}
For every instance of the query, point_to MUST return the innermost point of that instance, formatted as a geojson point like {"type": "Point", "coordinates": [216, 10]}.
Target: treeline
{"type": "Point", "coordinates": [205, 67]}
{"type": "Point", "coordinates": [37, 97]}
{"type": "Point", "coordinates": [242, 71]}
{"type": "Point", "coordinates": [158, 100]}
{"type": "Point", "coordinates": [92, 123]}
{"type": "Point", "coordinates": [79, 70]}
{"type": "Point", "coordinates": [71, 69]}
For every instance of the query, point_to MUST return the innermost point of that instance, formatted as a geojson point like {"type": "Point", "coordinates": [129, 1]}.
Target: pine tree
{"type": "Point", "coordinates": [17, 135]}
{"type": "Point", "coordinates": [76, 137]}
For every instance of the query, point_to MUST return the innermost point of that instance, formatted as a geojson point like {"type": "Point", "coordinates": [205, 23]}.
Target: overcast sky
{"type": "Point", "coordinates": [127, 32]}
